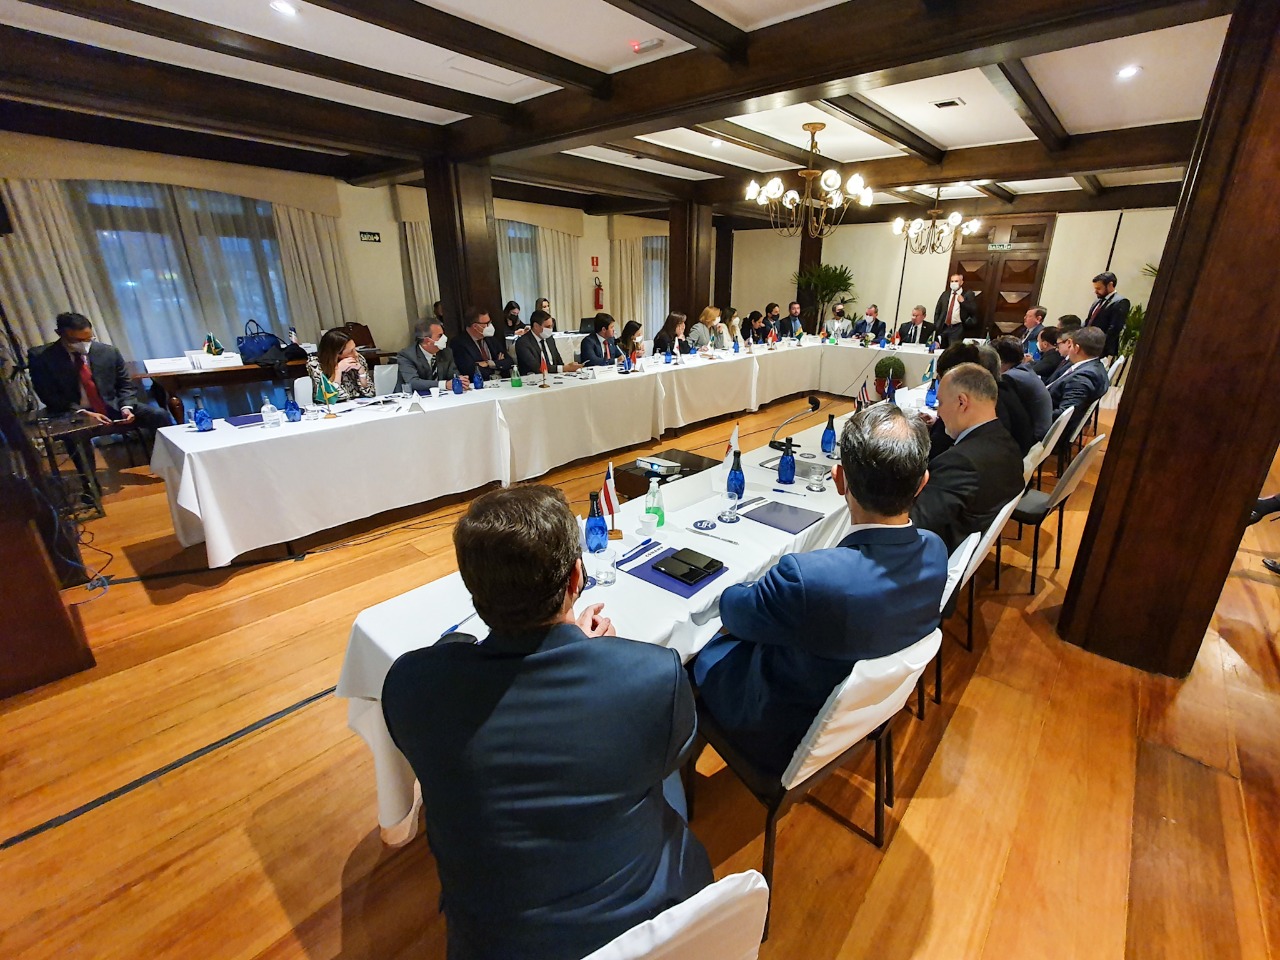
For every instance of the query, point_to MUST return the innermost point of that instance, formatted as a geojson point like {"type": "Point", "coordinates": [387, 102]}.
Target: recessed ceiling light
{"type": "Point", "coordinates": [716, 142]}
{"type": "Point", "coordinates": [283, 6]}
{"type": "Point", "coordinates": [644, 46]}
{"type": "Point", "coordinates": [1129, 72]}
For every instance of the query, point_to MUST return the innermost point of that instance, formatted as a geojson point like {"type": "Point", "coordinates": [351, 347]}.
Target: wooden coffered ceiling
{"type": "Point", "coordinates": [562, 107]}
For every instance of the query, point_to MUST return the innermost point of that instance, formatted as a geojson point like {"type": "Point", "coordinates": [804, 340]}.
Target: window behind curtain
{"type": "Point", "coordinates": [518, 263]}
{"type": "Point", "coordinates": [655, 290]}
{"type": "Point", "coordinates": [176, 263]}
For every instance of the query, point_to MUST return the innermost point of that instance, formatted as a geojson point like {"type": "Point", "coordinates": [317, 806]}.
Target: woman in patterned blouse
{"type": "Point", "coordinates": [338, 372]}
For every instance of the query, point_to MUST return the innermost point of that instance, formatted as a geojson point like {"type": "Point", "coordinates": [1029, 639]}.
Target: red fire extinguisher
{"type": "Point", "coordinates": [599, 295]}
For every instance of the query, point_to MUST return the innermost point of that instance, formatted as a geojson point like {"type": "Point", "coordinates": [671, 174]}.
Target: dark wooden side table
{"type": "Point", "coordinates": [169, 386]}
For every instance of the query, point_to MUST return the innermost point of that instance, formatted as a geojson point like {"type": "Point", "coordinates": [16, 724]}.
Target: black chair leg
{"type": "Point", "coordinates": [879, 829]}
{"type": "Point", "coordinates": [968, 645]}
{"type": "Point", "coordinates": [937, 676]}
{"type": "Point", "coordinates": [999, 540]}
{"type": "Point", "coordinates": [920, 698]}
{"type": "Point", "coordinates": [888, 766]}
{"type": "Point", "coordinates": [1057, 560]}
{"type": "Point", "coordinates": [1035, 559]}
{"type": "Point", "coordinates": [770, 843]}
{"type": "Point", "coordinates": [690, 779]}
{"type": "Point", "coordinates": [1039, 473]}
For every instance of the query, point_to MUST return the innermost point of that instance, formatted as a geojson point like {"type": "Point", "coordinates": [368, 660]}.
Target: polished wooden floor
{"type": "Point", "coordinates": [1056, 806]}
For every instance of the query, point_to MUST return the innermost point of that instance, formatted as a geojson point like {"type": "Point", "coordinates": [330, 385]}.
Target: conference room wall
{"type": "Point", "coordinates": [763, 265]}
{"type": "Point", "coordinates": [595, 243]}
{"type": "Point", "coordinates": [1141, 241]}
{"type": "Point", "coordinates": [377, 270]}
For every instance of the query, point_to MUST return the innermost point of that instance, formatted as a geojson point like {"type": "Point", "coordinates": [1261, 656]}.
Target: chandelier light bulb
{"type": "Point", "coordinates": [773, 189]}
{"type": "Point", "coordinates": [855, 184]}
{"type": "Point", "coordinates": [898, 226]}
{"type": "Point", "coordinates": [790, 199]}
{"type": "Point", "coordinates": [753, 190]}
{"type": "Point", "coordinates": [763, 199]}
{"type": "Point", "coordinates": [836, 200]}
{"type": "Point", "coordinates": [830, 181]}
{"type": "Point", "coordinates": [865, 196]}
{"type": "Point", "coordinates": [954, 220]}
{"type": "Point", "coordinates": [916, 226]}
{"type": "Point", "coordinates": [975, 224]}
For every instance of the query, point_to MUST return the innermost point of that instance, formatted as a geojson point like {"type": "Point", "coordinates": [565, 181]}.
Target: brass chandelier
{"type": "Point", "coordinates": [934, 235]}
{"type": "Point", "coordinates": [821, 207]}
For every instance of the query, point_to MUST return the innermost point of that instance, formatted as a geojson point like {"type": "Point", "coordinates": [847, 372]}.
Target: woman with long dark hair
{"type": "Point", "coordinates": [337, 371]}
{"type": "Point", "coordinates": [670, 338]}
{"type": "Point", "coordinates": [632, 339]}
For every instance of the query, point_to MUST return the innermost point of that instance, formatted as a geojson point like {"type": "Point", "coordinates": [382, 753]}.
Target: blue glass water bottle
{"type": "Point", "coordinates": [202, 418]}
{"type": "Point", "coordinates": [737, 484]}
{"type": "Point", "coordinates": [931, 397]}
{"type": "Point", "coordinates": [787, 465]}
{"type": "Point", "coordinates": [933, 345]}
{"type": "Point", "coordinates": [292, 412]}
{"type": "Point", "coordinates": [883, 343]}
{"type": "Point", "coordinates": [736, 346]}
{"type": "Point", "coordinates": [477, 380]}
{"type": "Point", "coordinates": [457, 383]}
{"type": "Point", "coordinates": [597, 530]}
{"type": "Point", "coordinates": [667, 356]}
{"type": "Point", "coordinates": [829, 435]}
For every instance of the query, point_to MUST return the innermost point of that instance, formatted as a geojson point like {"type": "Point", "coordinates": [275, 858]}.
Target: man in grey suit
{"type": "Point", "coordinates": [426, 362]}
{"type": "Point", "coordinates": [549, 754]}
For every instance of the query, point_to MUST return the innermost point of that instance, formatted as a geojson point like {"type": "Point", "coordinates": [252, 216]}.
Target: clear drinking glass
{"type": "Point", "coordinates": [606, 567]}
{"type": "Point", "coordinates": [729, 508]}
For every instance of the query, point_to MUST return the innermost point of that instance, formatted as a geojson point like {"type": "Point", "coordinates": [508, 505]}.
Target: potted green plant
{"type": "Point", "coordinates": [827, 282]}
{"type": "Point", "coordinates": [1132, 329]}
{"type": "Point", "coordinates": [886, 367]}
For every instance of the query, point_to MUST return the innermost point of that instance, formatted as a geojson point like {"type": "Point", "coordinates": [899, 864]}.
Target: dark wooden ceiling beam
{"type": "Point", "coordinates": [566, 172]}
{"type": "Point", "coordinates": [417, 20]}
{"type": "Point", "coordinates": [1013, 82]}
{"type": "Point", "coordinates": [911, 196]}
{"type": "Point", "coordinates": [47, 70]}
{"type": "Point", "coordinates": [142, 18]}
{"type": "Point", "coordinates": [866, 116]}
{"type": "Point", "coordinates": [83, 127]}
{"type": "Point", "coordinates": [690, 161]}
{"type": "Point", "coordinates": [1135, 148]}
{"type": "Point", "coordinates": [995, 191]}
{"type": "Point", "coordinates": [1090, 184]}
{"type": "Point", "coordinates": [740, 136]}
{"type": "Point", "coordinates": [400, 173]}
{"type": "Point", "coordinates": [865, 44]}
{"type": "Point", "coordinates": [528, 193]}
{"type": "Point", "coordinates": [691, 22]}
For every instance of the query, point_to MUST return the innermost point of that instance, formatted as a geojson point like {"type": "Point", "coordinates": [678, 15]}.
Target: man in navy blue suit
{"type": "Point", "coordinates": [478, 348]}
{"type": "Point", "coordinates": [871, 324]}
{"type": "Point", "coordinates": [548, 754]}
{"type": "Point", "coordinates": [794, 635]}
{"type": "Point", "coordinates": [1083, 378]}
{"type": "Point", "coordinates": [600, 349]}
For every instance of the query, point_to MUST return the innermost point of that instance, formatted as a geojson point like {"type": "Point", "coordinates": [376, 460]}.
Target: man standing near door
{"type": "Point", "coordinates": [1109, 312]}
{"type": "Point", "coordinates": [956, 315]}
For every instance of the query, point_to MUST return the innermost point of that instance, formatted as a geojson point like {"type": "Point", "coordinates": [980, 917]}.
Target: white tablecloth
{"type": "Point", "coordinates": [639, 610]}
{"type": "Point", "coordinates": [237, 489]}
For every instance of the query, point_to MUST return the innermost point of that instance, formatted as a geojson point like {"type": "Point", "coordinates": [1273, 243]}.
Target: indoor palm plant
{"type": "Point", "coordinates": [827, 282]}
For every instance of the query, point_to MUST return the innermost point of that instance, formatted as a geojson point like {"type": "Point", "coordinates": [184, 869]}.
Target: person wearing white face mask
{"type": "Point", "coordinates": [956, 315]}
{"type": "Point", "coordinates": [479, 349]}
{"type": "Point", "coordinates": [540, 346]}
{"type": "Point", "coordinates": [601, 349]}
{"type": "Point", "coordinates": [426, 362]}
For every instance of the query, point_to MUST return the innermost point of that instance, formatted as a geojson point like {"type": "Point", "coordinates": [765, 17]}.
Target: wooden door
{"type": "Point", "coordinates": [1004, 265]}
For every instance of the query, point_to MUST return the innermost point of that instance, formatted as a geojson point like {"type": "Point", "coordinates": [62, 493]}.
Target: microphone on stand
{"type": "Point", "coordinates": [775, 443]}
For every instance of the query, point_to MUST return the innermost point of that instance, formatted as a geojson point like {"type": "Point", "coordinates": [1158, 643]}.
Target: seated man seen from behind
{"type": "Point", "coordinates": [548, 754]}
{"type": "Point", "coordinates": [981, 472]}
{"type": "Point", "coordinates": [78, 373]}
{"type": "Point", "coordinates": [794, 635]}
{"type": "Point", "coordinates": [427, 363]}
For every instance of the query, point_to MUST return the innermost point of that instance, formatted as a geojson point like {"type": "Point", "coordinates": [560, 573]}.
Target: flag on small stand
{"type": "Point", "coordinates": [928, 374]}
{"type": "Point", "coordinates": [864, 396]}
{"type": "Point", "coordinates": [730, 447]}
{"type": "Point", "coordinates": [542, 368]}
{"type": "Point", "coordinates": [609, 502]}
{"type": "Point", "coordinates": [890, 390]}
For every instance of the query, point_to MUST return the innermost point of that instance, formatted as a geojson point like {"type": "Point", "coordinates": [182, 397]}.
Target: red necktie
{"type": "Point", "coordinates": [90, 388]}
{"type": "Point", "coordinates": [1094, 312]}
{"type": "Point", "coordinates": [951, 307]}
{"type": "Point", "coordinates": [608, 351]}
{"type": "Point", "coordinates": [484, 350]}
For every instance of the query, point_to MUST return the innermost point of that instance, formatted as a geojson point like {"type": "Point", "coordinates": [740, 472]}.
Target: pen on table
{"type": "Point", "coordinates": [753, 500]}
{"type": "Point", "coordinates": [458, 624]}
{"type": "Point", "coordinates": [644, 554]}
{"type": "Point", "coordinates": [703, 533]}
{"type": "Point", "coordinates": [636, 550]}
{"type": "Point", "coordinates": [791, 493]}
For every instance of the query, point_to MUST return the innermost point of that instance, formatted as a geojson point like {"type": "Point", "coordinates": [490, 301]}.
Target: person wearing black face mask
{"type": "Point", "coordinates": [839, 325]}
{"type": "Point", "coordinates": [773, 320]}
{"type": "Point", "coordinates": [512, 325]}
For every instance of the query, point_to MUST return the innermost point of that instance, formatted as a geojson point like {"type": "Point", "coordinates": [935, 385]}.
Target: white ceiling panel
{"type": "Point", "coordinates": [754, 14]}
{"type": "Point", "coordinates": [345, 38]}
{"type": "Point", "coordinates": [1050, 185]}
{"type": "Point", "coordinates": [951, 191]}
{"type": "Point", "coordinates": [983, 118]}
{"type": "Point", "coordinates": [690, 141]}
{"type": "Point", "coordinates": [592, 33]}
{"type": "Point", "coordinates": [1177, 68]}
{"type": "Point", "coordinates": [839, 141]}
{"type": "Point", "coordinates": [166, 51]}
{"type": "Point", "coordinates": [1125, 178]}
{"type": "Point", "coordinates": [639, 163]}
{"type": "Point", "coordinates": [881, 198]}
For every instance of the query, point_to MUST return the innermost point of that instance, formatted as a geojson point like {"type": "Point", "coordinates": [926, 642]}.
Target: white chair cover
{"type": "Point", "coordinates": [1072, 476]}
{"type": "Point", "coordinates": [384, 379]}
{"type": "Point", "coordinates": [302, 392]}
{"type": "Point", "coordinates": [724, 921]}
{"type": "Point", "coordinates": [874, 691]}
{"type": "Point", "coordinates": [1041, 451]}
{"type": "Point", "coordinates": [989, 537]}
{"type": "Point", "coordinates": [958, 563]}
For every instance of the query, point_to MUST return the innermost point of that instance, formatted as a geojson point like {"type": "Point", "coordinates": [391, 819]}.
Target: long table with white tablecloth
{"type": "Point", "coordinates": [239, 488]}
{"type": "Point", "coordinates": [639, 610]}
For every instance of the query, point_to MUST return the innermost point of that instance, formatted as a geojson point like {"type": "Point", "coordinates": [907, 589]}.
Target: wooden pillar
{"type": "Point", "coordinates": [690, 257]}
{"type": "Point", "coordinates": [1198, 424]}
{"type": "Point", "coordinates": [464, 232]}
{"type": "Point", "coordinates": [724, 266]}
{"type": "Point", "coordinates": [810, 254]}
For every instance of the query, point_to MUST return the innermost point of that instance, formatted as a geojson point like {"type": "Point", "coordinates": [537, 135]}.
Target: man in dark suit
{"type": "Point", "coordinates": [78, 373]}
{"type": "Point", "coordinates": [981, 472]}
{"type": "Point", "coordinates": [427, 362]}
{"type": "Point", "coordinates": [871, 324]}
{"type": "Point", "coordinates": [549, 754]}
{"type": "Point", "coordinates": [917, 329]}
{"type": "Point", "coordinates": [1024, 382]}
{"type": "Point", "coordinates": [1032, 324]}
{"type": "Point", "coordinates": [539, 346]}
{"type": "Point", "coordinates": [791, 325]}
{"type": "Point", "coordinates": [600, 349]}
{"type": "Point", "coordinates": [1050, 358]}
{"type": "Point", "coordinates": [794, 635]}
{"type": "Point", "coordinates": [479, 349]}
{"type": "Point", "coordinates": [1084, 377]}
{"type": "Point", "coordinates": [956, 315]}
{"type": "Point", "coordinates": [1109, 313]}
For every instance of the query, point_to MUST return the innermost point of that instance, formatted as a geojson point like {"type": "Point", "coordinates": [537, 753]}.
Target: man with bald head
{"type": "Point", "coordinates": [981, 471]}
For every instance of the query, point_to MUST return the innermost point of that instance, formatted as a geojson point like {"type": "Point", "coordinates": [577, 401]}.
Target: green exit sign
{"type": "Point", "coordinates": [999, 246]}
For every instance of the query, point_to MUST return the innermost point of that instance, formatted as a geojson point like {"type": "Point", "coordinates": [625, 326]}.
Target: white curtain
{"type": "Point", "coordinates": [657, 289]}
{"type": "Point", "coordinates": [315, 271]}
{"type": "Point", "coordinates": [422, 266]}
{"type": "Point", "coordinates": [626, 273]}
{"type": "Point", "coordinates": [43, 271]}
{"type": "Point", "coordinates": [518, 264]}
{"type": "Point", "coordinates": [559, 270]}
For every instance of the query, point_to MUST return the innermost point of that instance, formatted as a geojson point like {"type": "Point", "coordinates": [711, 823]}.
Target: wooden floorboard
{"type": "Point", "coordinates": [1055, 805]}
